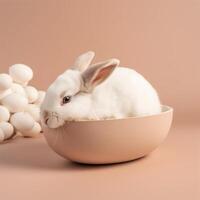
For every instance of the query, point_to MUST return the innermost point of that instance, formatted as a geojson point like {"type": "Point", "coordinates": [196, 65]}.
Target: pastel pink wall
{"type": "Point", "coordinates": [160, 39]}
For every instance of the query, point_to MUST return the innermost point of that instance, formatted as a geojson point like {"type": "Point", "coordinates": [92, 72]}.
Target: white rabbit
{"type": "Point", "coordinates": [99, 91]}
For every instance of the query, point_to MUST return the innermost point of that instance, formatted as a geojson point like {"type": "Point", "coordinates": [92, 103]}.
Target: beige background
{"type": "Point", "coordinates": [160, 39]}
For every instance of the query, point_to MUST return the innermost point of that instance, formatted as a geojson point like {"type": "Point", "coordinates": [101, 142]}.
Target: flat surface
{"type": "Point", "coordinates": [30, 170]}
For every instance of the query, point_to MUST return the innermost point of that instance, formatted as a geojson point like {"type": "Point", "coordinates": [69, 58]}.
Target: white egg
{"type": "Point", "coordinates": [34, 111]}
{"type": "Point", "coordinates": [5, 82]}
{"type": "Point", "coordinates": [5, 93]}
{"type": "Point", "coordinates": [1, 136]}
{"type": "Point", "coordinates": [4, 114]}
{"type": "Point", "coordinates": [22, 121]}
{"type": "Point", "coordinates": [7, 129]}
{"type": "Point", "coordinates": [21, 73]}
{"type": "Point", "coordinates": [17, 88]}
{"type": "Point", "coordinates": [35, 131]}
{"type": "Point", "coordinates": [31, 93]}
{"type": "Point", "coordinates": [18, 133]}
{"type": "Point", "coordinates": [41, 96]}
{"type": "Point", "coordinates": [15, 102]}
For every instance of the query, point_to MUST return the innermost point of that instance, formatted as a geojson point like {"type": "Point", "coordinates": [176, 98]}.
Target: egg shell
{"type": "Point", "coordinates": [15, 102]}
{"type": "Point", "coordinates": [17, 88]}
{"type": "Point", "coordinates": [4, 114]}
{"type": "Point", "coordinates": [22, 121]}
{"type": "Point", "coordinates": [1, 136]}
{"type": "Point", "coordinates": [18, 133]}
{"type": "Point", "coordinates": [31, 93]}
{"type": "Point", "coordinates": [41, 96]}
{"type": "Point", "coordinates": [7, 129]}
{"type": "Point", "coordinates": [21, 73]}
{"type": "Point", "coordinates": [5, 93]}
{"type": "Point", "coordinates": [34, 132]}
{"type": "Point", "coordinates": [34, 111]}
{"type": "Point", "coordinates": [5, 82]}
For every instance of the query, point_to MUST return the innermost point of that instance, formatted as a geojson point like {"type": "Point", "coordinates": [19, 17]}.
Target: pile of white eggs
{"type": "Point", "coordinates": [19, 103]}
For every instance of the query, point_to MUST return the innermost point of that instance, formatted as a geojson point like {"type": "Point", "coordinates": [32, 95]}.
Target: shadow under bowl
{"type": "Point", "coordinates": [112, 140]}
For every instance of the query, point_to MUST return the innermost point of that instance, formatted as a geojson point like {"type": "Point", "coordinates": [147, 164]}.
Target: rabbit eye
{"type": "Point", "coordinates": [66, 99]}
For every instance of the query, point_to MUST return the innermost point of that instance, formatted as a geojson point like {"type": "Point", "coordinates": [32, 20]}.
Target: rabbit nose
{"type": "Point", "coordinates": [45, 115]}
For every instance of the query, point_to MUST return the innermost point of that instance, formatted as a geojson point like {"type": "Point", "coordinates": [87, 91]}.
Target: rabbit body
{"type": "Point", "coordinates": [101, 91]}
{"type": "Point", "coordinates": [124, 94]}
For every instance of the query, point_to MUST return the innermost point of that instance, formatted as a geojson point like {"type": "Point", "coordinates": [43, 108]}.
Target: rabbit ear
{"type": "Point", "coordinates": [84, 60]}
{"type": "Point", "coordinates": [97, 73]}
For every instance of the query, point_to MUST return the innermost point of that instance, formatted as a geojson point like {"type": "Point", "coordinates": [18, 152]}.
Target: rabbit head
{"type": "Point", "coordinates": [69, 97]}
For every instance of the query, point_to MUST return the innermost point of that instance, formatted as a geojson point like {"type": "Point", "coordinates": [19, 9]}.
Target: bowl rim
{"type": "Point", "coordinates": [165, 109]}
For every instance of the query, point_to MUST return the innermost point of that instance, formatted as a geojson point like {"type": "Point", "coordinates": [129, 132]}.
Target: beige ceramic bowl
{"type": "Point", "coordinates": [110, 141]}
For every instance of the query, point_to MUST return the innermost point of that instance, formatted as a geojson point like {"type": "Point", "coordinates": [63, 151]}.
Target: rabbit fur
{"type": "Point", "coordinates": [99, 91]}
